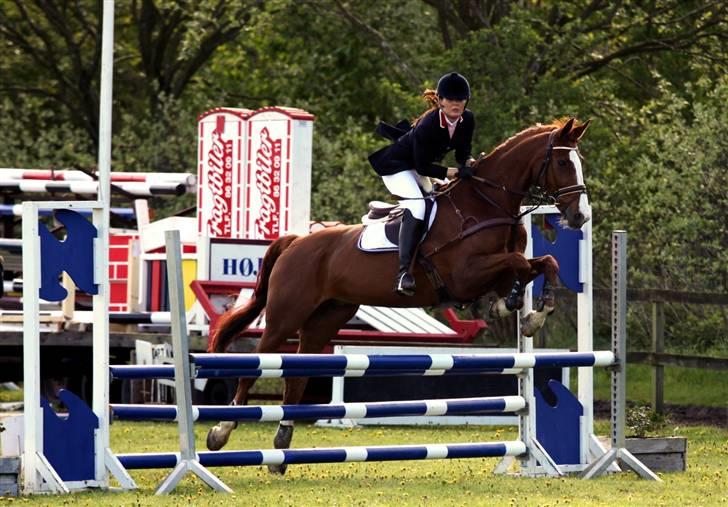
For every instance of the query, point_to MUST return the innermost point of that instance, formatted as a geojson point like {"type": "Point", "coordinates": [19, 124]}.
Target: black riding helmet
{"type": "Point", "coordinates": [453, 86]}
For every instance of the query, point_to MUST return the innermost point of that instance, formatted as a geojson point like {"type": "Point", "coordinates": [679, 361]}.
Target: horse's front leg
{"type": "Point", "coordinates": [509, 273]}
{"type": "Point", "coordinates": [504, 306]}
{"type": "Point", "coordinates": [544, 305]}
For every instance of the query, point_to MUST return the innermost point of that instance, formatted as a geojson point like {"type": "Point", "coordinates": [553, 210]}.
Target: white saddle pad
{"type": "Point", "coordinates": [374, 239]}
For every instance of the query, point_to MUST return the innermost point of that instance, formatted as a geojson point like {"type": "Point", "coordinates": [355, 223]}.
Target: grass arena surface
{"type": "Point", "coordinates": [436, 482]}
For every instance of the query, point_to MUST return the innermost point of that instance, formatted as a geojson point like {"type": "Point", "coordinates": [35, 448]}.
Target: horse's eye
{"type": "Point", "coordinates": [562, 163]}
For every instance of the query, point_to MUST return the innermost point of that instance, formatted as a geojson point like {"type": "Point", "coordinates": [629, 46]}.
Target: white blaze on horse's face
{"type": "Point", "coordinates": [578, 211]}
{"type": "Point", "coordinates": [584, 207]}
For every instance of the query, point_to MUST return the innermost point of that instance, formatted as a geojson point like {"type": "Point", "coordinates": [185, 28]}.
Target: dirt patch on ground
{"type": "Point", "coordinates": [679, 414]}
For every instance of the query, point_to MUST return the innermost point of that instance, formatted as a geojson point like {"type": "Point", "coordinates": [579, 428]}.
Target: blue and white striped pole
{"type": "Point", "coordinates": [328, 455]}
{"type": "Point", "coordinates": [386, 362]}
{"type": "Point", "coordinates": [167, 371]}
{"type": "Point", "coordinates": [504, 404]}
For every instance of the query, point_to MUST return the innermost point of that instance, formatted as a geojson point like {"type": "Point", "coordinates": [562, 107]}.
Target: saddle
{"type": "Point", "coordinates": [381, 234]}
{"type": "Point", "coordinates": [382, 211]}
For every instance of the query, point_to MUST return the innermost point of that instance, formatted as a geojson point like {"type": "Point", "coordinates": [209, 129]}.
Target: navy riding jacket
{"type": "Point", "coordinates": [421, 147]}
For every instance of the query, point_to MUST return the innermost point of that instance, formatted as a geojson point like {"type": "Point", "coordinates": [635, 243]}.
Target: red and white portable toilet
{"type": "Point", "coordinates": [254, 172]}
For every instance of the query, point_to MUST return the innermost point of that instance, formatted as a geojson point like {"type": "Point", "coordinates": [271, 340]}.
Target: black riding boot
{"type": "Point", "coordinates": [409, 237]}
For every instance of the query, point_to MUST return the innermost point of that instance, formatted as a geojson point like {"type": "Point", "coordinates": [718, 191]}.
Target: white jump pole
{"type": "Point", "coordinates": [105, 460]}
{"type": "Point", "coordinates": [101, 220]}
{"type": "Point", "coordinates": [619, 371]}
{"type": "Point", "coordinates": [183, 393]}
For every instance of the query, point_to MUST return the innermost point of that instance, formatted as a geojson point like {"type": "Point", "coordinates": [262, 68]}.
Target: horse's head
{"type": "Point", "coordinates": [560, 174]}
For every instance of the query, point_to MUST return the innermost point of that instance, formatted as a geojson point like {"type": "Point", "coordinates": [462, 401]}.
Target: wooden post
{"type": "Point", "coordinates": [132, 287]}
{"type": "Point", "coordinates": [68, 305]}
{"type": "Point", "coordinates": [658, 347]}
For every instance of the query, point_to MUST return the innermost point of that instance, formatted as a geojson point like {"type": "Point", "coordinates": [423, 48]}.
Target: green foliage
{"type": "Point", "coordinates": [652, 76]}
{"type": "Point", "coordinates": [670, 172]}
{"type": "Point", "coordinates": [641, 420]}
{"type": "Point", "coordinates": [164, 142]}
{"type": "Point", "coordinates": [341, 176]}
{"type": "Point", "coordinates": [28, 142]}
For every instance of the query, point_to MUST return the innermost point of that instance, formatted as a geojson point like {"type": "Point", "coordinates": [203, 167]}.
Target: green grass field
{"type": "Point", "coordinates": [437, 482]}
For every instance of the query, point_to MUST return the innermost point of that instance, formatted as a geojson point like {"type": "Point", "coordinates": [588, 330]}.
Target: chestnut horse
{"type": "Point", "coordinates": [312, 285]}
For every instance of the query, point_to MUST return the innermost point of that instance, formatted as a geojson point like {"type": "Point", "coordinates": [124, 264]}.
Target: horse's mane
{"type": "Point", "coordinates": [515, 139]}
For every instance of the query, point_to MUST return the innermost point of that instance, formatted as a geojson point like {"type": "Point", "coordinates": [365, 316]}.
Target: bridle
{"type": "Point", "coordinates": [571, 189]}
{"type": "Point", "coordinates": [537, 195]}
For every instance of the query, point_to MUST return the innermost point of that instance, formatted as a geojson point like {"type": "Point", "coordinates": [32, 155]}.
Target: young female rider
{"type": "Point", "coordinates": [446, 126]}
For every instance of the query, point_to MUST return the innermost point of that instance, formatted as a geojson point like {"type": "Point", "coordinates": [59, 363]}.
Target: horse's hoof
{"type": "Point", "coordinates": [408, 293]}
{"type": "Point", "coordinates": [277, 469]}
{"type": "Point", "coordinates": [499, 309]}
{"type": "Point", "coordinates": [531, 323]}
{"type": "Point", "coordinates": [216, 440]}
{"type": "Point", "coordinates": [282, 440]}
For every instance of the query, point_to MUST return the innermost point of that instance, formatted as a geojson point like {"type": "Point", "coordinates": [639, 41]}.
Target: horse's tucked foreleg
{"type": "Point", "coordinates": [506, 305]}
{"type": "Point", "coordinates": [544, 304]}
{"type": "Point", "coordinates": [546, 299]}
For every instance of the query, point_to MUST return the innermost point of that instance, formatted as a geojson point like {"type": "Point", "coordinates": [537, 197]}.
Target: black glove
{"type": "Point", "coordinates": [465, 172]}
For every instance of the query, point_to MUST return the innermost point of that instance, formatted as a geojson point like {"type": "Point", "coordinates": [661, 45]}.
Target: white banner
{"type": "Point", "coordinates": [236, 260]}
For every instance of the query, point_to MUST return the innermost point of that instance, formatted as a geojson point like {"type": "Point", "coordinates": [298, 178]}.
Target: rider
{"type": "Point", "coordinates": [444, 127]}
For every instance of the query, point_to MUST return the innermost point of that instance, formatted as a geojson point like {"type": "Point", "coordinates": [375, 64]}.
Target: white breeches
{"type": "Point", "coordinates": [407, 184]}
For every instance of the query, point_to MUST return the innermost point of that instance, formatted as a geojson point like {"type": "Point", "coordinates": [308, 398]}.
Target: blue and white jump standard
{"type": "Point", "coordinates": [39, 476]}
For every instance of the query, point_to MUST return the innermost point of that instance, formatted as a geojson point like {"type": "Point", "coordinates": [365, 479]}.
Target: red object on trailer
{"type": "Point", "coordinates": [119, 270]}
{"type": "Point", "coordinates": [465, 331]}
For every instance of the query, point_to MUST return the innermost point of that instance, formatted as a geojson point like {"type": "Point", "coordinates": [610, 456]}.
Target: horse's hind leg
{"type": "Point", "coordinates": [219, 434]}
{"type": "Point", "coordinates": [544, 304]}
{"type": "Point", "coordinates": [316, 333]}
{"type": "Point", "coordinates": [275, 333]}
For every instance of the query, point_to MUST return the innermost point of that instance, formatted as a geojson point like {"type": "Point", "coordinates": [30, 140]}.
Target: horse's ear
{"type": "Point", "coordinates": [578, 132]}
{"type": "Point", "coordinates": [564, 135]}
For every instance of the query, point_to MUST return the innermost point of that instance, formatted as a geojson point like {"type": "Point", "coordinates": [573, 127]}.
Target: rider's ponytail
{"type": "Point", "coordinates": [429, 96]}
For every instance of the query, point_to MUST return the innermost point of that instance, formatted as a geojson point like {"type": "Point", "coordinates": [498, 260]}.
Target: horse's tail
{"type": "Point", "coordinates": [233, 322]}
